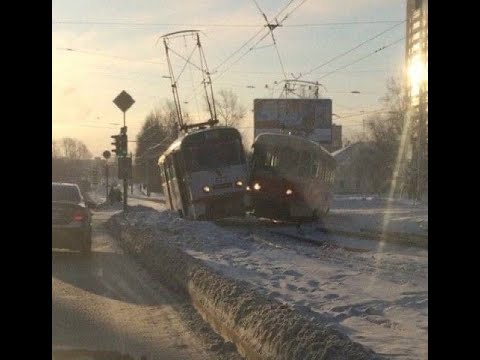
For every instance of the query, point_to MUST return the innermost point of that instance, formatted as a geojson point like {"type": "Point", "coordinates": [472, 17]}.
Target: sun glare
{"type": "Point", "coordinates": [416, 75]}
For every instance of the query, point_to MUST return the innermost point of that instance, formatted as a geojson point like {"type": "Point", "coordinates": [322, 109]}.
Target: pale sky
{"type": "Point", "coordinates": [113, 48]}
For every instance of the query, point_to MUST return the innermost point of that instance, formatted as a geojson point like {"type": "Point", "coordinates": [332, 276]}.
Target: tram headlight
{"type": "Point", "coordinates": [239, 183]}
{"type": "Point", "coordinates": [206, 189]}
{"type": "Point", "coordinates": [248, 188]}
{"type": "Point", "coordinates": [257, 186]}
{"type": "Point", "coordinates": [289, 192]}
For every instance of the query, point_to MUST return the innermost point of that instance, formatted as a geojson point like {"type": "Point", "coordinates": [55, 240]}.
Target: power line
{"type": "Point", "coordinates": [236, 51]}
{"type": "Point", "coordinates": [89, 126]}
{"type": "Point", "coordinates": [364, 57]}
{"type": "Point", "coordinates": [364, 113]}
{"type": "Point", "coordinates": [242, 56]}
{"type": "Point", "coordinates": [260, 10]}
{"type": "Point", "coordinates": [251, 39]}
{"type": "Point", "coordinates": [321, 72]}
{"type": "Point", "coordinates": [272, 27]}
{"type": "Point", "coordinates": [279, 23]}
{"type": "Point", "coordinates": [291, 12]}
{"type": "Point", "coordinates": [347, 23]}
{"type": "Point", "coordinates": [140, 24]}
{"type": "Point", "coordinates": [352, 49]}
{"type": "Point", "coordinates": [232, 64]}
{"type": "Point", "coordinates": [109, 56]}
{"type": "Point", "coordinates": [186, 60]}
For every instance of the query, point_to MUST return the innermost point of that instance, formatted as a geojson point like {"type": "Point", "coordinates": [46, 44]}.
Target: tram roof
{"type": "Point", "coordinates": [179, 141]}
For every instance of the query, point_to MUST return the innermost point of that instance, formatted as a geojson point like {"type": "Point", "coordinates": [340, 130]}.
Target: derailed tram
{"type": "Point", "coordinates": [204, 174]}
{"type": "Point", "coordinates": [290, 178]}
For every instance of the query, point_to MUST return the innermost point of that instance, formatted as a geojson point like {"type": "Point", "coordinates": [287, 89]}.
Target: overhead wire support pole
{"type": "Point", "coordinates": [174, 86]}
{"type": "Point", "coordinates": [207, 79]}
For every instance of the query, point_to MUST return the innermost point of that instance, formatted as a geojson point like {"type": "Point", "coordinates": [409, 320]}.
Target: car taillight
{"type": "Point", "coordinates": [78, 215]}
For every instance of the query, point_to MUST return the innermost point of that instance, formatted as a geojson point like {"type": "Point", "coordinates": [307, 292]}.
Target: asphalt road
{"type": "Point", "coordinates": [108, 302]}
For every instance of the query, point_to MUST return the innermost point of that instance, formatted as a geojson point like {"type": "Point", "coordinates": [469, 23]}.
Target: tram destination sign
{"type": "Point", "coordinates": [311, 118]}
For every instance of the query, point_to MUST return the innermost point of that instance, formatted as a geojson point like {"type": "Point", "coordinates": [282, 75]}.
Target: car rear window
{"type": "Point", "coordinates": [65, 193]}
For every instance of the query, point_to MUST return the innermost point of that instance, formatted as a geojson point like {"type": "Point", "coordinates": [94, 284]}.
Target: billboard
{"type": "Point", "coordinates": [311, 118]}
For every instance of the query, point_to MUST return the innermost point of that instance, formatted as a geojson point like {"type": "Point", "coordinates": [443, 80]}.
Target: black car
{"type": "Point", "coordinates": [71, 219]}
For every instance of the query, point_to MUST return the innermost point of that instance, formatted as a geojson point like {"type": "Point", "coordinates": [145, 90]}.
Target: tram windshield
{"type": "Point", "coordinates": [287, 161]}
{"type": "Point", "coordinates": [209, 156]}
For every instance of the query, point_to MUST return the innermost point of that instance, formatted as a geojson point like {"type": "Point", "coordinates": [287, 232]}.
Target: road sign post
{"type": "Point", "coordinates": [106, 155]}
{"type": "Point", "coordinates": [131, 179]}
{"type": "Point", "coordinates": [124, 101]}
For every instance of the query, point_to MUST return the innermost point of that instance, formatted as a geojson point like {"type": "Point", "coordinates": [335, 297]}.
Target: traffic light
{"type": "Point", "coordinates": [121, 145]}
{"type": "Point", "coordinates": [116, 143]}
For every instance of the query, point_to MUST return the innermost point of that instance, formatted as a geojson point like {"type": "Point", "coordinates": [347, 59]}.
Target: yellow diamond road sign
{"type": "Point", "coordinates": [123, 101]}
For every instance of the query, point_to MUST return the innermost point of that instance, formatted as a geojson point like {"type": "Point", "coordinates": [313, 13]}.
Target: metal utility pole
{"type": "Point", "coordinates": [106, 179]}
{"type": "Point", "coordinates": [131, 180]}
{"type": "Point", "coordinates": [106, 155]}
{"type": "Point", "coordinates": [123, 102]}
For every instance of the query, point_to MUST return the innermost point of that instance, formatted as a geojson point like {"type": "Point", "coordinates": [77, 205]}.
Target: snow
{"type": "Point", "coordinates": [381, 215]}
{"type": "Point", "coordinates": [375, 293]}
{"type": "Point", "coordinates": [98, 195]}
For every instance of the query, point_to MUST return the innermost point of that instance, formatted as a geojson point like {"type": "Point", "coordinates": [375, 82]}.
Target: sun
{"type": "Point", "coordinates": [417, 74]}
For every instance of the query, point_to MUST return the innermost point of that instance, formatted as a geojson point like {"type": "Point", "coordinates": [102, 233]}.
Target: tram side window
{"type": "Point", "coordinates": [325, 174]}
{"type": "Point", "coordinates": [271, 159]}
{"type": "Point", "coordinates": [308, 164]}
{"type": "Point", "coordinates": [162, 174]}
{"type": "Point", "coordinates": [191, 162]}
{"type": "Point", "coordinates": [319, 170]}
{"type": "Point", "coordinates": [314, 166]}
{"type": "Point", "coordinates": [170, 171]}
{"type": "Point", "coordinates": [288, 160]}
{"type": "Point", "coordinates": [179, 164]}
{"type": "Point", "coordinates": [328, 176]}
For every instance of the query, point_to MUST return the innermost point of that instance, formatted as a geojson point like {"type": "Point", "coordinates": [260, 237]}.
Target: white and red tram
{"type": "Point", "coordinates": [204, 173]}
{"type": "Point", "coordinates": [290, 178]}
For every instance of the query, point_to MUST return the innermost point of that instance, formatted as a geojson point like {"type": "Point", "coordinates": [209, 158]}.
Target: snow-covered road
{"type": "Point", "coordinates": [377, 295]}
{"type": "Point", "coordinates": [375, 292]}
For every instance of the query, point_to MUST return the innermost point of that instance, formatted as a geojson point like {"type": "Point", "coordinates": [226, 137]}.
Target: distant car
{"type": "Point", "coordinates": [71, 219]}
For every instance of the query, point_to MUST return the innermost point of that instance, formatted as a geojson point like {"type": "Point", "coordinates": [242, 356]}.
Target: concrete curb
{"type": "Point", "coordinates": [261, 328]}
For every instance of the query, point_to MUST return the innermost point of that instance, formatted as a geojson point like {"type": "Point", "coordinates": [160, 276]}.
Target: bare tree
{"type": "Point", "coordinates": [387, 159]}
{"type": "Point", "coordinates": [229, 109]}
{"type": "Point", "coordinates": [55, 150]}
{"type": "Point", "coordinates": [71, 149]}
{"type": "Point", "coordinates": [160, 127]}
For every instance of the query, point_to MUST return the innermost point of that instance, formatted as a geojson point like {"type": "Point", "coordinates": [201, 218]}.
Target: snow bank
{"type": "Point", "coordinates": [378, 295]}
{"type": "Point", "coordinates": [261, 328]}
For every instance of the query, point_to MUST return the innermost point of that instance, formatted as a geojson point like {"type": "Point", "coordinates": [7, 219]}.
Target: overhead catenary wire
{"type": "Point", "coordinates": [109, 56]}
{"type": "Point", "coordinates": [224, 71]}
{"type": "Point", "coordinates": [253, 37]}
{"type": "Point", "coordinates": [291, 12]}
{"type": "Point", "coordinates": [327, 73]}
{"type": "Point", "coordinates": [271, 28]}
{"type": "Point", "coordinates": [362, 58]}
{"type": "Point", "coordinates": [143, 24]}
{"type": "Point", "coordinates": [184, 58]}
{"type": "Point", "coordinates": [362, 113]}
{"type": "Point", "coordinates": [186, 62]}
{"type": "Point", "coordinates": [351, 50]}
